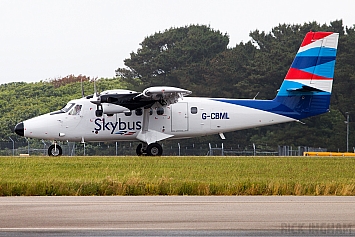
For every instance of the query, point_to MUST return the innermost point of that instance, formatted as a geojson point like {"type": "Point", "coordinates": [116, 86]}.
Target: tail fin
{"type": "Point", "coordinates": [307, 86]}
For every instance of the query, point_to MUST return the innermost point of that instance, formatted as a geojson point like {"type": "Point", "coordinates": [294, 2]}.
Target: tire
{"type": "Point", "coordinates": [52, 151]}
{"type": "Point", "coordinates": [154, 149]}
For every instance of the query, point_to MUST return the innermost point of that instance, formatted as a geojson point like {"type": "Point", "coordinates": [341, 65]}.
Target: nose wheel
{"type": "Point", "coordinates": [153, 149]}
{"type": "Point", "coordinates": [55, 150]}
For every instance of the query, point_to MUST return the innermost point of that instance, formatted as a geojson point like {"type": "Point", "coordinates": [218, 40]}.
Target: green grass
{"type": "Point", "coordinates": [177, 176]}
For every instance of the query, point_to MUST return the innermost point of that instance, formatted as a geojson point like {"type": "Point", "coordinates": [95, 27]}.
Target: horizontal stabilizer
{"type": "Point", "coordinates": [304, 88]}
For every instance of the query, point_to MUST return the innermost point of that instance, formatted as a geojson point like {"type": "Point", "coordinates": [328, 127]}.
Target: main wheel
{"type": "Point", "coordinates": [139, 150]}
{"type": "Point", "coordinates": [154, 149]}
{"type": "Point", "coordinates": [55, 150]}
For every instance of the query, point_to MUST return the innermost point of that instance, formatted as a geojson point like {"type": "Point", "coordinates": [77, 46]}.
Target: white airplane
{"type": "Point", "coordinates": [163, 112]}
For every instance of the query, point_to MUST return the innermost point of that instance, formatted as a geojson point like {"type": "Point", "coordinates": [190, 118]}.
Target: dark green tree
{"type": "Point", "coordinates": [174, 57]}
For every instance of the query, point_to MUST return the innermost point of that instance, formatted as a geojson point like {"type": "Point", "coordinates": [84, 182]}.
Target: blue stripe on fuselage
{"type": "Point", "coordinates": [295, 107]}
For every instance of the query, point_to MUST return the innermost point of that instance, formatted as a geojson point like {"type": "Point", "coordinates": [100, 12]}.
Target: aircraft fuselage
{"type": "Point", "coordinates": [190, 117]}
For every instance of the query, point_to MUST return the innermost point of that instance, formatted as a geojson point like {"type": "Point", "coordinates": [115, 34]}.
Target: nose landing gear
{"type": "Point", "coordinates": [55, 150]}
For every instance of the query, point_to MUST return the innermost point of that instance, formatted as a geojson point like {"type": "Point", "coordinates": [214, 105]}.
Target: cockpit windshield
{"type": "Point", "coordinates": [65, 109]}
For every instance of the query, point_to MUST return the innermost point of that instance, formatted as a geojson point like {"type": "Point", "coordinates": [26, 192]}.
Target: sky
{"type": "Point", "coordinates": [47, 39]}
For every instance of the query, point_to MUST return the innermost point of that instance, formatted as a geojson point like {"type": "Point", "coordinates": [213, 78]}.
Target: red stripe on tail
{"type": "Point", "coordinates": [294, 73]}
{"type": "Point", "coordinates": [313, 36]}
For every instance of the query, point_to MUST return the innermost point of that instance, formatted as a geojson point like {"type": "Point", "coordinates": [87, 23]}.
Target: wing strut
{"type": "Point", "coordinates": [145, 119]}
{"type": "Point", "coordinates": [149, 135]}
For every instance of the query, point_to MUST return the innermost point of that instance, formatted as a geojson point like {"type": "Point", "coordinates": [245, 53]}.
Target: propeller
{"type": "Point", "coordinates": [82, 88]}
{"type": "Point", "coordinates": [96, 97]}
{"type": "Point", "coordinates": [97, 100]}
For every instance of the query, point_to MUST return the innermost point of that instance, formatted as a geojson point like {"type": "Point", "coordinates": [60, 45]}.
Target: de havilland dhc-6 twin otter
{"type": "Point", "coordinates": [163, 112]}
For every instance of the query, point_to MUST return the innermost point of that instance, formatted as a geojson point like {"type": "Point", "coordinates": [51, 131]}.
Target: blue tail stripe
{"type": "Point", "coordinates": [304, 62]}
{"type": "Point", "coordinates": [328, 52]}
{"type": "Point", "coordinates": [322, 52]}
{"type": "Point", "coordinates": [307, 62]}
{"type": "Point", "coordinates": [325, 69]}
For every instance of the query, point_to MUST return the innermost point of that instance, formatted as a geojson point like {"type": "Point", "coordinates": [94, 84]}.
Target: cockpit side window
{"type": "Point", "coordinates": [76, 110]}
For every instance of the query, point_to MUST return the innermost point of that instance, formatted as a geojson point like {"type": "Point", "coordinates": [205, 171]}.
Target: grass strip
{"type": "Point", "coordinates": [176, 176]}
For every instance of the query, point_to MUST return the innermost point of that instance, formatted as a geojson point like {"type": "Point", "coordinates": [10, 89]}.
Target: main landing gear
{"type": "Point", "coordinates": [55, 150]}
{"type": "Point", "coordinates": [153, 149]}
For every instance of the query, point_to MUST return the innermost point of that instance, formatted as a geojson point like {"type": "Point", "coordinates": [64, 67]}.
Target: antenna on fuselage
{"type": "Point", "coordinates": [256, 96]}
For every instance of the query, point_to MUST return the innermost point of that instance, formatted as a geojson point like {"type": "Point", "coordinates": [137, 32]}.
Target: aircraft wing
{"type": "Point", "coordinates": [164, 94]}
{"type": "Point", "coordinates": [121, 101]}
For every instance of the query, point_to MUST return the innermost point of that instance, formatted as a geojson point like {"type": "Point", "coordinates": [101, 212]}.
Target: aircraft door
{"type": "Point", "coordinates": [179, 118]}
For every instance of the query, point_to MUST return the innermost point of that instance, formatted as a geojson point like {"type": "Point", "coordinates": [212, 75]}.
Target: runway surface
{"type": "Point", "coordinates": [177, 216]}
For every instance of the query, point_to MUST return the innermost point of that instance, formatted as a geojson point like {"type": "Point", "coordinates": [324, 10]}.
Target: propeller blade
{"type": "Point", "coordinates": [82, 88]}
{"type": "Point", "coordinates": [96, 97]}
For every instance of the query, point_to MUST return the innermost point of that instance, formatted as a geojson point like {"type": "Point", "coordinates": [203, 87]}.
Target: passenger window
{"type": "Point", "coordinates": [128, 113]}
{"type": "Point", "coordinates": [160, 111]}
{"type": "Point", "coordinates": [194, 110]}
{"type": "Point", "coordinates": [139, 112]}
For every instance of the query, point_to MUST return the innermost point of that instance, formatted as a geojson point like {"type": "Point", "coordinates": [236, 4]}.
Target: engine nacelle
{"type": "Point", "coordinates": [109, 108]}
{"type": "Point", "coordinates": [160, 91]}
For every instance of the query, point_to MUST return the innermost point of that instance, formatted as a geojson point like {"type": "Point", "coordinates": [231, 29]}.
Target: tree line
{"type": "Point", "coordinates": [198, 58]}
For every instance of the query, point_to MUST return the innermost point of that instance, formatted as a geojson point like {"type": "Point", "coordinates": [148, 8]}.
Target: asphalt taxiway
{"type": "Point", "coordinates": [177, 215]}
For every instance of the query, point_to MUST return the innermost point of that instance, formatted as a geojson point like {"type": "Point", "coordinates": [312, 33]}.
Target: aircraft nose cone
{"type": "Point", "coordinates": [19, 129]}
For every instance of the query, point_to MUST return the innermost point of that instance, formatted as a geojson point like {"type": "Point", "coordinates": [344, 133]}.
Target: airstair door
{"type": "Point", "coordinates": [179, 118]}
